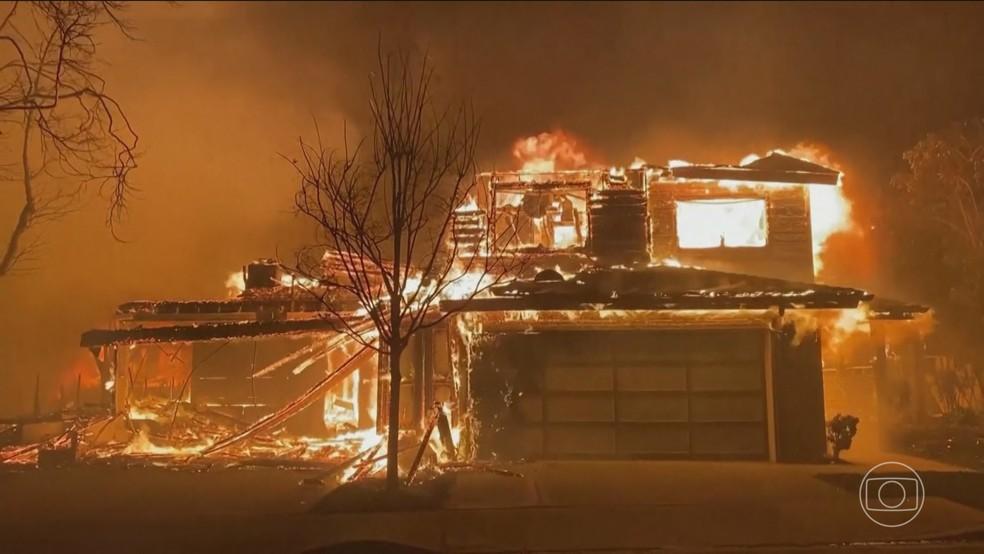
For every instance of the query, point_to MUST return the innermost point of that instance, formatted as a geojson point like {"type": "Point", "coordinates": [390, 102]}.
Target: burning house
{"type": "Point", "coordinates": [658, 312]}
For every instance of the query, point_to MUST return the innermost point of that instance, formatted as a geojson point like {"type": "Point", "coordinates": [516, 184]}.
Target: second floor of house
{"type": "Point", "coordinates": [752, 218]}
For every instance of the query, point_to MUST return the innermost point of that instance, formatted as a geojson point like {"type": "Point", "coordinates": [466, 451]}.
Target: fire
{"type": "Point", "coordinates": [830, 209]}
{"type": "Point", "coordinates": [137, 411]}
{"type": "Point", "coordinates": [464, 283]}
{"type": "Point", "coordinates": [235, 283]}
{"type": "Point", "coordinates": [716, 223]}
{"type": "Point", "coordinates": [836, 326]}
{"type": "Point", "coordinates": [469, 205]}
{"type": "Point", "coordinates": [143, 444]}
{"type": "Point", "coordinates": [372, 448]}
{"type": "Point", "coordinates": [77, 381]}
{"type": "Point", "coordinates": [549, 151]}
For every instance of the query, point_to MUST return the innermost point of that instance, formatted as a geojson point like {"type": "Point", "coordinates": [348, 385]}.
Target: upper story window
{"type": "Point", "coordinates": [721, 222]}
{"type": "Point", "coordinates": [549, 220]}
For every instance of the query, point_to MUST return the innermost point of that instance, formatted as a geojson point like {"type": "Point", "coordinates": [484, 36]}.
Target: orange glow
{"type": "Point", "coordinates": [82, 372]}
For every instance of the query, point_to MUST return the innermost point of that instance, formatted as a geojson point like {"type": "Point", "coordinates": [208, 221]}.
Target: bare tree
{"type": "Point", "coordinates": [386, 210]}
{"type": "Point", "coordinates": [59, 123]}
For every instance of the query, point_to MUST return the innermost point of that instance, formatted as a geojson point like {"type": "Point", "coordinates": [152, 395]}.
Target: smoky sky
{"type": "Point", "coordinates": [218, 92]}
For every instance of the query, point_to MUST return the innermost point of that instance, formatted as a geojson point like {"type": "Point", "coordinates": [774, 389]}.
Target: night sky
{"type": "Point", "coordinates": [218, 91]}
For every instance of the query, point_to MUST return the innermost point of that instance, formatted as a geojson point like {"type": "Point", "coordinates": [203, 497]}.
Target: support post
{"type": "Point", "coordinates": [880, 376]}
{"type": "Point", "coordinates": [417, 353]}
{"type": "Point", "coordinates": [918, 382]}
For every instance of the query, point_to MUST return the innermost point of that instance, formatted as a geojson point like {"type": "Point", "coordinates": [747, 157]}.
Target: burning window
{"type": "Point", "coordinates": [552, 220]}
{"type": "Point", "coordinates": [721, 222]}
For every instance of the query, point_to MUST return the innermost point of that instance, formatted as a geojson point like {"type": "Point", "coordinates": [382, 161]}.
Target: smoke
{"type": "Point", "coordinates": [219, 91]}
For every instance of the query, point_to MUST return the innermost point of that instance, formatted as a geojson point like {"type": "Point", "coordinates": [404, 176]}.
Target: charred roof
{"type": "Point", "coordinates": [773, 168]}
{"type": "Point", "coordinates": [662, 288]}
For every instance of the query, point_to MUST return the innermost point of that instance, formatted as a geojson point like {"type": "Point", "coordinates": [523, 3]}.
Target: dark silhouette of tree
{"type": "Point", "coordinates": [386, 208]}
{"type": "Point", "coordinates": [64, 130]}
{"type": "Point", "coordinates": [937, 219]}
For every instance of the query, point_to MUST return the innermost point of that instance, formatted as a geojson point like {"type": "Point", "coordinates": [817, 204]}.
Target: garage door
{"type": "Point", "coordinates": [628, 394]}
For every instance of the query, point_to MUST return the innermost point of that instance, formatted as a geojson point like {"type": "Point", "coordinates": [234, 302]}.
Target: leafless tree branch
{"type": "Point", "coordinates": [74, 134]}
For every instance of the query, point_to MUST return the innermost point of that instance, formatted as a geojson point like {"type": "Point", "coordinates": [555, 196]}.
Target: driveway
{"type": "Point", "coordinates": [548, 506]}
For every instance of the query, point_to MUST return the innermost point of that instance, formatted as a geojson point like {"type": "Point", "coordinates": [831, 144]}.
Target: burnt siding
{"type": "Point", "coordinates": [787, 254]}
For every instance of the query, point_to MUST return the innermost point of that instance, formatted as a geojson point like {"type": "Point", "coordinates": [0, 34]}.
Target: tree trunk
{"type": "Point", "coordinates": [393, 437]}
{"type": "Point", "coordinates": [14, 248]}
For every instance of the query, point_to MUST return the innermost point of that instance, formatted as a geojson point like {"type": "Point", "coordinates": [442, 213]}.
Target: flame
{"type": "Point", "coordinates": [143, 444]}
{"type": "Point", "coordinates": [751, 158]}
{"type": "Point", "coordinates": [469, 205]}
{"type": "Point", "coordinates": [235, 283]}
{"type": "Point", "coordinates": [830, 210]}
{"type": "Point", "coordinates": [549, 151]}
{"type": "Point", "coordinates": [371, 445]}
{"type": "Point", "coordinates": [670, 262]}
{"type": "Point", "coordinates": [637, 163]}
{"type": "Point", "coordinates": [76, 380]}
{"type": "Point", "coordinates": [292, 280]}
{"type": "Point", "coordinates": [835, 326]}
{"type": "Point", "coordinates": [140, 412]}
{"type": "Point", "coordinates": [715, 223]}
{"type": "Point", "coordinates": [463, 283]}
{"type": "Point", "coordinates": [678, 163]}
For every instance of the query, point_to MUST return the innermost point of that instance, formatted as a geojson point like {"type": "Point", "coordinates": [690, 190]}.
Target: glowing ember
{"type": "Point", "coordinates": [143, 444]}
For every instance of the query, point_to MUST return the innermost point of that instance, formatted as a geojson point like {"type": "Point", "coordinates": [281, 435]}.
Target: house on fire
{"type": "Point", "coordinates": [662, 312]}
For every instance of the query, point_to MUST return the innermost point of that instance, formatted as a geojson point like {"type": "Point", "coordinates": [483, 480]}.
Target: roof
{"type": "Point", "coordinates": [208, 331]}
{"type": "Point", "coordinates": [774, 168]}
{"type": "Point", "coordinates": [882, 308]}
{"type": "Point", "coordinates": [660, 288]}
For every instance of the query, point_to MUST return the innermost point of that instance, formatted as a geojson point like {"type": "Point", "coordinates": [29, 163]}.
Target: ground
{"type": "Point", "coordinates": [550, 506]}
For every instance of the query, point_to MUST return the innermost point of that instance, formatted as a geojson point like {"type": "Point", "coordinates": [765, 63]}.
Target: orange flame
{"type": "Point", "coordinates": [830, 209]}
{"type": "Point", "coordinates": [549, 151]}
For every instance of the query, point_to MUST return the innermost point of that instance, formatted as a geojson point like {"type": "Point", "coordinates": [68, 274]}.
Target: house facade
{"type": "Point", "coordinates": [653, 318]}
